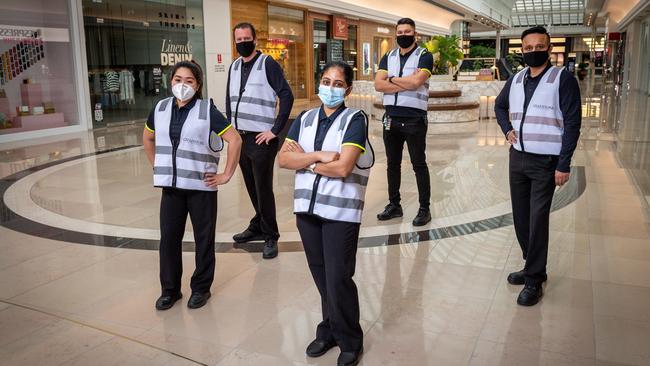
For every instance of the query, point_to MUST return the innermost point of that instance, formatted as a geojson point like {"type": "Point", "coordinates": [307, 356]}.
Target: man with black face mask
{"type": "Point", "coordinates": [255, 82]}
{"type": "Point", "coordinates": [539, 111]}
{"type": "Point", "coordinates": [403, 77]}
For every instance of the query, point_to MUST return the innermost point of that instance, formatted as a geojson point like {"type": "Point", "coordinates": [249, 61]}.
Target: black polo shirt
{"type": "Point", "coordinates": [218, 123]}
{"type": "Point", "coordinates": [425, 63]}
{"type": "Point", "coordinates": [355, 135]}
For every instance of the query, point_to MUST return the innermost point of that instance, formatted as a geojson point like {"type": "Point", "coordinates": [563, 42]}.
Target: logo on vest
{"type": "Point", "coordinates": [193, 141]}
{"type": "Point", "coordinates": [542, 106]}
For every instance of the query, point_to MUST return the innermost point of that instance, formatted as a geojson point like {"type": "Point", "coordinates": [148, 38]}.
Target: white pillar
{"type": "Point", "coordinates": [218, 42]}
{"type": "Point", "coordinates": [498, 45]}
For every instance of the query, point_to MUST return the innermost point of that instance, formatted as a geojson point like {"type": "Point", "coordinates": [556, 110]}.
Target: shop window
{"type": "Point", "coordinates": [132, 51]}
{"type": "Point", "coordinates": [37, 83]}
{"type": "Point", "coordinates": [286, 44]}
{"type": "Point", "coordinates": [350, 49]}
{"type": "Point", "coordinates": [322, 54]}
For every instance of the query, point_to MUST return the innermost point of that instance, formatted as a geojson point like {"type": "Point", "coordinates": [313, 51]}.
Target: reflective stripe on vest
{"type": "Point", "coordinates": [339, 199]}
{"type": "Point", "coordinates": [411, 98]}
{"type": "Point", "coordinates": [184, 166]}
{"type": "Point", "coordinates": [254, 110]}
{"type": "Point", "coordinates": [543, 123]}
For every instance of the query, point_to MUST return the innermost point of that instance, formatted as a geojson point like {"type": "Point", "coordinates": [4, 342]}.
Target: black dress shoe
{"type": "Point", "coordinates": [518, 278]}
{"type": "Point", "coordinates": [530, 295]}
{"type": "Point", "coordinates": [349, 358]}
{"type": "Point", "coordinates": [198, 299]}
{"type": "Point", "coordinates": [165, 302]}
{"type": "Point", "coordinates": [270, 250]}
{"type": "Point", "coordinates": [247, 235]}
{"type": "Point", "coordinates": [391, 211]}
{"type": "Point", "coordinates": [319, 347]}
{"type": "Point", "coordinates": [423, 217]}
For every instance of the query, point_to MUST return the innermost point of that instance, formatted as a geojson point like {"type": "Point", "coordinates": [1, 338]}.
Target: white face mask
{"type": "Point", "coordinates": [183, 92]}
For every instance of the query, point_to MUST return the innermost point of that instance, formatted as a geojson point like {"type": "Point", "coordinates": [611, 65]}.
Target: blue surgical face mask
{"type": "Point", "coordinates": [331, 97]}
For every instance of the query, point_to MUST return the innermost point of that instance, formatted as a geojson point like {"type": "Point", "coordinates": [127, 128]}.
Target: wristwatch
{"type": "Point", "coordinates": [311, 167]}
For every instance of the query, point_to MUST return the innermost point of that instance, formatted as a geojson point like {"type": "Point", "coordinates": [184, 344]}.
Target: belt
{"type": "Point", "coordinates": [242, 132]}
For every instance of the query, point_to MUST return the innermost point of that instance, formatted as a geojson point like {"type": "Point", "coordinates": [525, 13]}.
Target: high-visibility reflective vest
{"type": "Point", "coordinates": [411, 98]}
{"type": "Point", "coordinates": [254, 109]}
{"type": "Point", "coordinates": [339, 199]}
{"type": "Point", "coordinates": [183, 164]}
{"type": "Point", "coordinates": [539, 128]}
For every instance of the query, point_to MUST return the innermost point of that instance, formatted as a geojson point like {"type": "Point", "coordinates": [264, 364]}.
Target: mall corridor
{"type": "Point", "coordinates": [80, 227]}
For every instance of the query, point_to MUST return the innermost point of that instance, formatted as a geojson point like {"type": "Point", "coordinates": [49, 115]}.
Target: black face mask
{"type": "Point", "coordinates": [405, 41]}
{"type": "Point", "coordinates": [245, 48]}
{"type": "Point", "coordinates": [536, 58]}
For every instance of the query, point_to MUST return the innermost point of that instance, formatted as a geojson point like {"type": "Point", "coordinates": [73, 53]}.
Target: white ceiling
{"type": "Point", "coordinates": [528, 13]}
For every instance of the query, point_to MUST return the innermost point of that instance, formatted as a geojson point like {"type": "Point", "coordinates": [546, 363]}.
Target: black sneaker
{"type": "Point", "coordinates": [391, 211]}
{"type": "Point", "coordinates": [530, 295]}
{"type": "Point", "coordinates": [423, 217]}
{"type": "Point", "coordinates": [247, 235]}
{"type": "Point", "coordinates": [270, 250]}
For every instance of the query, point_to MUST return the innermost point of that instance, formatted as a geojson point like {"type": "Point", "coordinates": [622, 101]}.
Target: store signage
{"type": "Point", "coordinates": [99, 115]}
{"type": "Point", "coordinates": [340, 28]}
{"type": "Point", "coordinates": [614, 36]}
{"type": "Point", "coordinates": [9, 33]}
{"type": "Point", "coordinates": [171, 53]}
{"type": "Point", "coordinates": [383, 30]}
{"type": "Point", "coordinates": [157, 78]}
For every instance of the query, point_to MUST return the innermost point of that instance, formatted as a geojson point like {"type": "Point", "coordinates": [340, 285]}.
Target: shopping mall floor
{"type": "Point", "coordinates": [79, 266]}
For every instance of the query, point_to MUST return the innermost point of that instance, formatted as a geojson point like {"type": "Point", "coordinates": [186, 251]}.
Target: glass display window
{"type": "Point", "coordinates": [38, 88]}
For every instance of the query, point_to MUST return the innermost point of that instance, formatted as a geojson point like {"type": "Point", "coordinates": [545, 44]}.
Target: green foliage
{"type": "Point", "coordinates": [479, 51]}
{"type": "Point", "coordinates": [446, 53]}
{"type": "Point", "coordinates": [515, 60]}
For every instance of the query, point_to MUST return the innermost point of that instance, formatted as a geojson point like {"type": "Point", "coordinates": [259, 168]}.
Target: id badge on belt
{"type": "Point", "coordinates": [386, 122]}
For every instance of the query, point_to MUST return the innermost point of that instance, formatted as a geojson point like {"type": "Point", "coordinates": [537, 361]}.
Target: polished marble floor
{"type": "Point", "coordinates": [425, 300]}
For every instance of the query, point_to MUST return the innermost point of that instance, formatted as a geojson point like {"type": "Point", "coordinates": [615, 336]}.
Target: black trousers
{"type": "Point", "coordinates": [532, 184]}
{"type": "Point", "coordinates": [174, 207]}
{"type": "Point", "coordinates": [414, 133]}
{"type": "Point", "coordinates": [331, 249]}
{"type": "Point", "coordinates": [256, 163]}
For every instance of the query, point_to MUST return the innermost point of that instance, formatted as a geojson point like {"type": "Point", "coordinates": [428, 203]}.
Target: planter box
{"type": "Point", "coordinates": [435, 78]}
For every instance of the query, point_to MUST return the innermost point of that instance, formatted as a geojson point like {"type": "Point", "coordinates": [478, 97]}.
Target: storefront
{"type": "Point", "coordinates": [376, 40]}
{"type": "Point", "coordinates": [66, 68]}
{"type": "Point", "coordinates": [302, 42]}
{"type": "Point", "coordinates": [131, 47]}
{"type": "Point", "coordinates": [559, 55]}
{"type": "Point", "coordinates": [38, 79]}
{"type": "Point", "coordinates": [335, 38]}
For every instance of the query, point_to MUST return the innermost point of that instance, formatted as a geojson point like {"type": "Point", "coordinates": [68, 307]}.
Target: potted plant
{"type": "Point", "coordinates": [582, 70]}
{"type": "Point", "coordinates": [515, 60]}
{"type": "Point", "coordinates": [446, 55]}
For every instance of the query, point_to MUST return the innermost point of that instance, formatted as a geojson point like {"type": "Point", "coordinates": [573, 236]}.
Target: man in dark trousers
{"type": "Point", "coordinates": [403, 77]}
{"type": "Point", "coordinates": [539, 111]}
{"type": "Point", "coordinates": [255, 82]}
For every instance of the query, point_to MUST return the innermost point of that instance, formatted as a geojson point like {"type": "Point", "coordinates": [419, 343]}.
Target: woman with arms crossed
{"type": "Point", "coordinates": [329, 149]}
